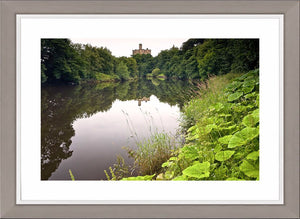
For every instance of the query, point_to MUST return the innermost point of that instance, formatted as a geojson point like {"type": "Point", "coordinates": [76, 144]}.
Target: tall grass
{"type": "Point", "coordinates": [151, 153]}
{"type": "Point", "coordinates": [148, 153]}
{"type": "Point", "coordinates": [205, 95]}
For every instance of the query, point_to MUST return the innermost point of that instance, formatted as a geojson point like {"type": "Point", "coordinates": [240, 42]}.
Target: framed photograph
{"type": "Point", "coordinates": [131, 109]}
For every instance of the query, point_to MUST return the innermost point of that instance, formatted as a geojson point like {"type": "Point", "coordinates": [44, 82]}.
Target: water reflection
{"type": "Point", "coordinates": [106, 117]}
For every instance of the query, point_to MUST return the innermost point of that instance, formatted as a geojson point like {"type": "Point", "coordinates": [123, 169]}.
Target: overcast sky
{"type": "Point", "coordinates": [124, 47]}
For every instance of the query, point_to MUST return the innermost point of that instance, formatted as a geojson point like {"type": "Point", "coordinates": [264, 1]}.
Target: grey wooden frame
{"type": "Point", "coordinates": [9, 9]}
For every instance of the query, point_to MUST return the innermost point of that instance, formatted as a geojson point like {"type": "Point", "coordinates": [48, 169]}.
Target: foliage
{"type": "Point", "coordinates": [96, 60]}
{"type": "Point", "coordinates": [144, 63]}
{"type": "Point", "coordinates": [151, 153]}
{"type": "Point", "coordinates": [197, 170]}
{"type": "Point", "coordinates": [122, 71]}
{"type": "Point", "coordinates": [131, 65]}
{"type": "Point", "coordinates": [223, 155]}
{"type": "Point", "coordinates": [190, 44]}
{"type": "Point", "coordinates": [113, 175]}
{"type": "Point", "coordinates": [148, 157]}
{"type": "Point", "coordinates": [222, 125]}
{"type": "Point", "coordinates": [60, 61]}
{"type": "Point", "coordinates": [222, 141]}
{"type": "Point", "coordinates": [119, 170]}
{"type": "Point", "coordinates": [202, 58]}
{"type": "Point", "coordinates": [63, 61]}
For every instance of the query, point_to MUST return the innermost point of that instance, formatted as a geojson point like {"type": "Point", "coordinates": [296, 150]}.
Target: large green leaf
{"type": "Point", "coordinates": [253, 156]}
{"type": "Point", "coordinates": [249, 82]}
{"type": "Point", "coordinates": [236, 141]}
{"type": "Point", "coordinates": [223, 155]}
{"type": "Point", "coordinates": [225, 139]}
{"type": "Point", "coordinates": [249, 169]}
{"type": "Point", "coordinates": [235, 96]}
{"type": "Point", "coordinates": [233, 86]}
{"type": "Point", "coordinates": [242, 137]}
{"type": "Point", "coordinates": [217, 148]}
{"type": "Point", "coordinates": [239, 155]}
{"type": "Point", "coordinates": [250, 120]}
{"type": "Point", "coordinates": [247, 89]}
{"type": "Point", "coordinates": [189, 152]}
{"type": "Point", "coordinates": [253, 94]}
{"type": "Point", "coordinates": [198, 170]}
{"type": "Point", "coordinates": [256, 113]}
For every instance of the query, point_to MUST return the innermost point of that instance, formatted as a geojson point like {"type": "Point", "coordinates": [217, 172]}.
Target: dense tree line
{"type": "Point", "coordinates": [63, 61]}
{"type": "Point", "coordinates": [200, 58]}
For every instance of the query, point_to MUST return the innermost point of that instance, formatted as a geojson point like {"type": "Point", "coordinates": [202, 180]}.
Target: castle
{"type": "Point", "coordinates": [141, 51]}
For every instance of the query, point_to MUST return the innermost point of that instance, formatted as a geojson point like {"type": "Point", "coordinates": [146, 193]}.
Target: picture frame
{"type": "Point", "coordinates": [31, 29]}
{"type": "Point", "coordinates": [9, 9]}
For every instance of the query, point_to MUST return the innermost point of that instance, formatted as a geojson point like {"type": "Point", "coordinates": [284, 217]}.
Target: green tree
{"type": "Point", "coordinates": [191, 68]}
{"type": "Point", "coordinates": [245, 53]}
{"type": "Point", "coordinates": [131, 65]}
{"type": "Point", "coordinates": [190, 44]}
{"type": "Point", "coordinates": [59, 61]}
{"type": "Point", "coordinates": [122, 71]}
{"type": "Point", "coordinates": [145, 63]}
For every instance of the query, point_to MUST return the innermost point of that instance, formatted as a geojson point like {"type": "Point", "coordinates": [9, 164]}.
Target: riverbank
{"type": "Point", "coordinates": [221, 134]}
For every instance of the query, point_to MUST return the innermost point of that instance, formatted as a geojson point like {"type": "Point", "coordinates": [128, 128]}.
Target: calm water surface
{"type": "Point", "coordinates": [85, 127]}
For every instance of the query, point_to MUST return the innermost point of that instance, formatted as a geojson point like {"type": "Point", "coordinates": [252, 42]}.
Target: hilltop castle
{"type": "Point", "coordinates": [141, 51]}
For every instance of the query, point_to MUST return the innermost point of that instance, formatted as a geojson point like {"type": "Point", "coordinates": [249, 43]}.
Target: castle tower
{"type": "Point", "coordinates": [141, 50]}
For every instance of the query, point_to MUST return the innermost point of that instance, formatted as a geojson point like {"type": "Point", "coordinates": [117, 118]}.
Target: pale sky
{"type": "Point", "coordinates": [123, 47]}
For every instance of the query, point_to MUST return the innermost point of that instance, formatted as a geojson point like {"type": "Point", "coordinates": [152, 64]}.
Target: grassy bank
{"type": "Point", "coordinates": [222, 134]}
{"type": "Point", "coordinates": [222, 139]}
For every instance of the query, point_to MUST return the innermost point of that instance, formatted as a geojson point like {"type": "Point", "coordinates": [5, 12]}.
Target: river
{"type": "Point", "coordinates": [85, 127]}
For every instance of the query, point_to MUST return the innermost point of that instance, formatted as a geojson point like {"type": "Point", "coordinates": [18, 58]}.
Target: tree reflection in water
{"type": "Point", "coordinates": [61, 105]}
